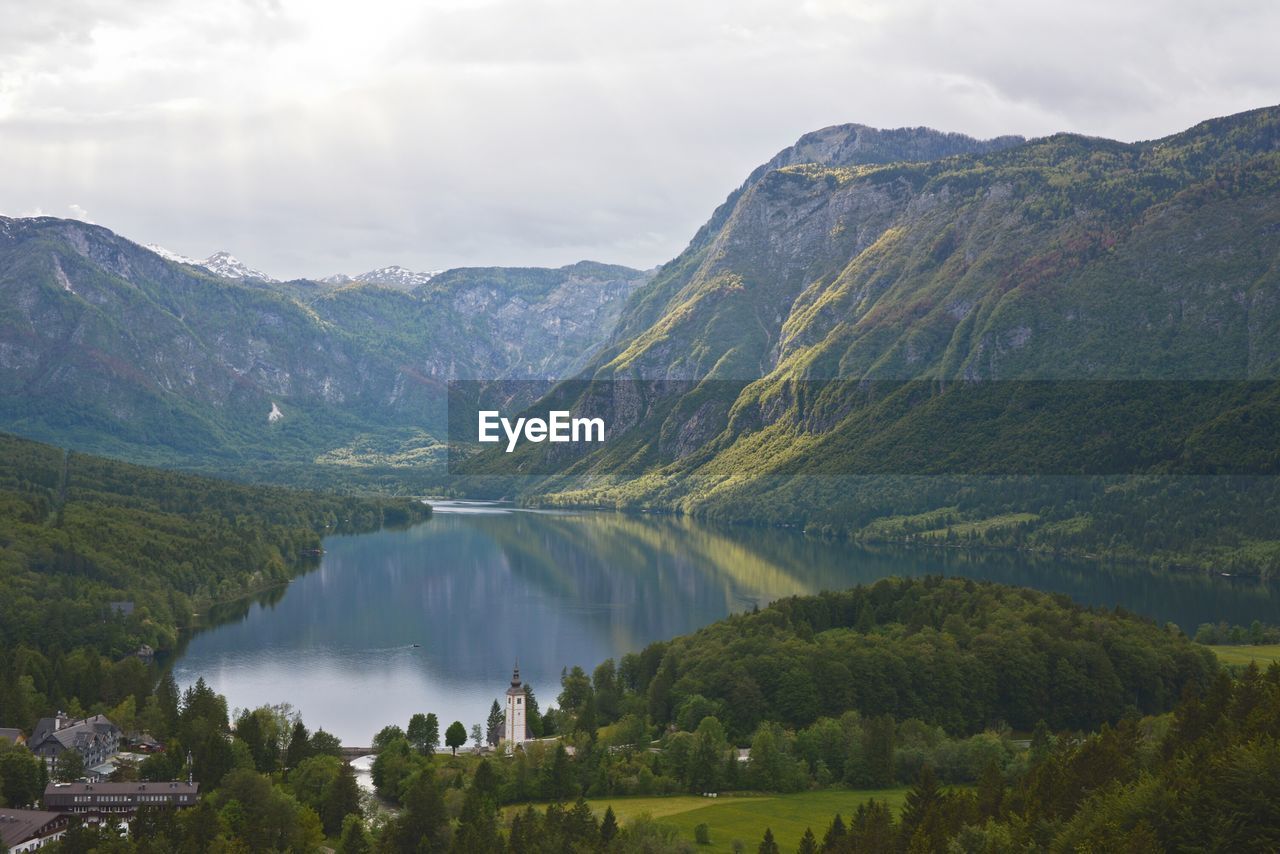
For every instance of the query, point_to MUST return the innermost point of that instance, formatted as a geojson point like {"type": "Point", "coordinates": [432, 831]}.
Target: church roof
{"type": "Point", "coordinates": [516, 687]}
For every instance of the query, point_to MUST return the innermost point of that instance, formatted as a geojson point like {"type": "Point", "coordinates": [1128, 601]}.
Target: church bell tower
{"type": "Point", "coordinates": [515, 730]}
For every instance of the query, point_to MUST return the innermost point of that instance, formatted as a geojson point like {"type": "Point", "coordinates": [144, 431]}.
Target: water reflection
{"type": "Point", "coordinates": [430, 618]}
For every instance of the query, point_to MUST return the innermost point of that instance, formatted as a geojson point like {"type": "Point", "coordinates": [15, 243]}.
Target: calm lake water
{"type": "Point", "coordinates": [431, 618]}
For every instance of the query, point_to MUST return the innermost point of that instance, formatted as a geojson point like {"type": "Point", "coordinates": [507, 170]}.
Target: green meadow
{"type": "Point", "coordinates": [1264, 654]}
{"type": "Point", "coordinates": [745, 817]}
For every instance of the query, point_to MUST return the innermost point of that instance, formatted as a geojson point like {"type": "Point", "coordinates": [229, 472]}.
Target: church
{"type": "Point", "coordinates": [517, 731]}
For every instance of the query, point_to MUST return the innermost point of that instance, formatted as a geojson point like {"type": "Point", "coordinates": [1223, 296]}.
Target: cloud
{"type": "Point", "coordinates": [310, 136]}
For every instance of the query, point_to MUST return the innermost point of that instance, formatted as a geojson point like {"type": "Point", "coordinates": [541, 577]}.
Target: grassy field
{"type": "Point", "coordinates": [1264, 654]}
{"type": "Point", "coordinates": [745, 817]}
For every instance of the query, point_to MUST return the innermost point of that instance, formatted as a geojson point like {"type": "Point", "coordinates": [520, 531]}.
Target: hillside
{"type": "Point", "coordinates": [108, 347]}
{"type": "Point", "coordinates": [952, 652]}
{"type": "Point", "coordinates": [81, 531]}
{"type": "Point", "coordinates": [1006, 313]}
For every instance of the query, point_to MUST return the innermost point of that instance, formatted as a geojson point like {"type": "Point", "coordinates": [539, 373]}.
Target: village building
{"type": "Point", "coordinates": [145, 742]}
{"type": "Point", "coordinates": [120, 800]}
{"type": "Point", "coordinates": [11, 734]}
{"type": "Point", "coordinates": [95, 738]}
{"type": "Point", "coordinates": [29, 830]}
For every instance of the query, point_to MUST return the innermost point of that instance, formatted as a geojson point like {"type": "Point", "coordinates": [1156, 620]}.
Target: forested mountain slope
{"type": "Point", "coordinates": [1060, 306]}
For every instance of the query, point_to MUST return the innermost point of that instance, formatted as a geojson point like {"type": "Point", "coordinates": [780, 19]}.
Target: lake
{"type": "Point", "coordinates": [432, 618]}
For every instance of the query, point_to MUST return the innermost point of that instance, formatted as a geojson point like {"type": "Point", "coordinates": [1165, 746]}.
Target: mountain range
{"type": "Point", "coordinates": [872, 303]}
{"type": "Point", "coordinates": [109, 346]}
{"type": "Point", "coordinates": [228, 266]}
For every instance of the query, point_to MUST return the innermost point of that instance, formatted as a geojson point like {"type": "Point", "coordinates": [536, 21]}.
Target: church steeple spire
{"type": "Point", "coordinates": [515, 675]}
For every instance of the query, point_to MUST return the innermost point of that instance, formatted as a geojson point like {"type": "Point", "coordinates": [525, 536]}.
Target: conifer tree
{"type": "Point", "coordinates": [299, 745]}
{"type": "Point", "coordinates": [560, 775]}
{"type": "Point", "coordinates": [495, 724]}
{"type": "Point", "coordinates": [342, 798]}
{"type": "Point", "coordinates": [354, 838]}
{"type": "Point", "coordinates": [608, 826]}
{"type": "Point", "coordinates": [835, 835]}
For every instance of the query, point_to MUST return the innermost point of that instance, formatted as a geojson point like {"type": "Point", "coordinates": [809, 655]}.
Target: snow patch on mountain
{"type": "Point", "coordinates": [220, 263]}
{"type": "Point", "coordinates": [229, 266]}
{"type": "Point", "coordinates": [394, 276]}
{"type": "Point", "coordinates": [176, 257]}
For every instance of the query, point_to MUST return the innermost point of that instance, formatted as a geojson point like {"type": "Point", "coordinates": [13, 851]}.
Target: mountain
{"type": "Point", "coordinates": [394, 276]}
{"type": "Point", "coordinates": [779, 342]}
{"type": "Point", "coordinates": [230, 267]}
{"type": "Point", "coordinates": [109, 347]}
{"type": "Point", "coordinates": [220, 263]}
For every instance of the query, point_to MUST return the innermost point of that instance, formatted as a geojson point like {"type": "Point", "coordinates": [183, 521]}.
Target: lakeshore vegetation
{"type": "Point", "coordinates": [98, 558]}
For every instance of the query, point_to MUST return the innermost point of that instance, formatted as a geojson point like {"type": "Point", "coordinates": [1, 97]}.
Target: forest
{"type": "Point", "coordinates": [1191, 760]}
{"type": "Point", "coordinates": [955, 653]}
{"type": "Point", "coordinates": [98, 558]}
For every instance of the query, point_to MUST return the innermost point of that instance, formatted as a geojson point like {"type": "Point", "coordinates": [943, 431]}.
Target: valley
{"type": "Point", "coordinates": [935, 482]}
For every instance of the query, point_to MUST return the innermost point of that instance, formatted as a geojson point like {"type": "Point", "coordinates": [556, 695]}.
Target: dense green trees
{"type": "Point", "coordinates": [22, 775]}
{"type": "Point", "coordinates": [81, 533]}
{"type": "Point", "coordinates": [960, 654]}
{"type": "Point", "coordinates": [1221, 633]}
{"type": "Point", "coordinates": [1206, 778]}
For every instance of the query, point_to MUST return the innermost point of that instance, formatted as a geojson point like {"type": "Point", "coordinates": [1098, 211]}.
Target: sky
{"type": "Point", "coordinates": [311, 137]}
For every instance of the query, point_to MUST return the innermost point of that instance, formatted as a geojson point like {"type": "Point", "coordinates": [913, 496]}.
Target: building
{"type": "Point", "coordinates": [11, 734]}
{"type": "Point", "coordinates": [121, 800]}
{"type": "Point", "coordinates": [145, 742]}
{"type": "Point", "coordinates": [516, 731]}
{"type": "Point", "coordinates": [96, 738]}
{"type": "Point", "coordinates": [29, 830]}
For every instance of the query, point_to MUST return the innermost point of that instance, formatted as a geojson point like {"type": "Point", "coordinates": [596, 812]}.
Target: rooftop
{"type": "Point", "coordinates": [182, 787]}
{"type": "Point", "coordinates": [18, 826]}
{"type": "Point", "coordinates": [67, 731]}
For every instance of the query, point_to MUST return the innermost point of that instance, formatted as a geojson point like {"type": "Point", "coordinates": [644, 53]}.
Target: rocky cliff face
{"type": "Point", "coordinates": [546, 324]}
{"type": "Point", "coordinates": [913, 253]}
{"type": "Point", "coordinates": [849, 145]}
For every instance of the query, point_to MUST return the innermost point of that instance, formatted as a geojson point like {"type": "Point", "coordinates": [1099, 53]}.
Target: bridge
{"type": "Point", "coordinates": [349, 753]}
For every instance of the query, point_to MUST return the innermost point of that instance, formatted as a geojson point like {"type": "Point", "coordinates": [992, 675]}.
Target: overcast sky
{"type": "Point", "coordinates": [310, 137]}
